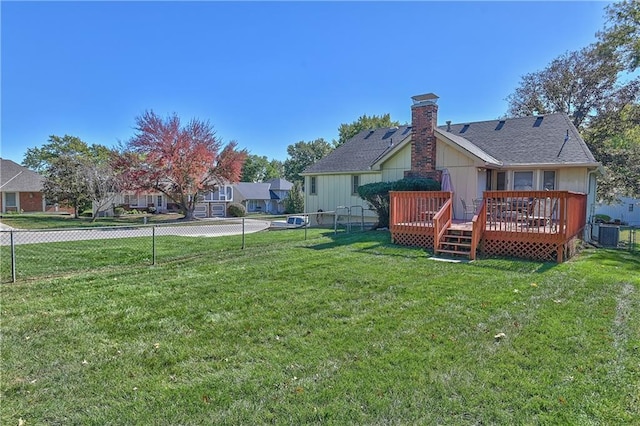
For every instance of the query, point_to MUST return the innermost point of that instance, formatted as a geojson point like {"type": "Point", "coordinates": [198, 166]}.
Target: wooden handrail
{"type": "Point", "coordinates": [478, 225]}
{"type": "Point", "coordinates": [441, 221]}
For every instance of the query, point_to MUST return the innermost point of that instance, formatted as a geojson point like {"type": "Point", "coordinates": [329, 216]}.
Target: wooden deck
{"type": "Point", "coordinates": [540, 225]}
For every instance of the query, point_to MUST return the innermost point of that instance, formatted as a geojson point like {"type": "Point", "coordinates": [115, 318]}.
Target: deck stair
{"type": "Point", "coordinates": [456, 241]}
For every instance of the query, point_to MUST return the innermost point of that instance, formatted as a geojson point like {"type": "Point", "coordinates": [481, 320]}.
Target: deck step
{"type": "Point", "coordinates": [456, 242]}
{"type": "Point", "coordinates": [455, 252]}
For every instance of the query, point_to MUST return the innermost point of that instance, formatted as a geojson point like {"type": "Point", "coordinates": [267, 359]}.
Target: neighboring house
{"type": "Point", "coordinates": [212, 203]}
{"type": "Point", "coordinates": [266, 197]}
{"type": "Point", "coordinates": [533, 180]}
{"type": "Point", "coordinates": [528, 153]}
{"type": "Point", "coordinates": [20, 189]}
{"type": "Point", "coordinates": [626, 211]}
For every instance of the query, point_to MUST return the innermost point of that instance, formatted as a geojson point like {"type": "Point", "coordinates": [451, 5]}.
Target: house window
{"type": "Point", "coordinates": [159, 201]}
{"type": "Point", "coordinates": [522, 181]}
{"type": "Point", "coordinates": [355, 183]}
{"type": "Point", "coordinates": [549, 180]}
{"type": "Point", "coordinates": [10, 199]}
{"type": "Point", "coordinates": [631, 207]}
{"type": "Point", "coordinates": [313, 186]}
{"type": "Point", "coordinates": [501, 181]}
{"type": "Point", "coordinates": [127, 199]}
{"type": "Point", "coordinates": [149, 200]}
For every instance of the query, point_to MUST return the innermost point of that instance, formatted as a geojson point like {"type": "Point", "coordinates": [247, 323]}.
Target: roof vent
{"type": "Point", "coordinates": [370, 133]}
{"type": "Point", "coordinates": [538, 121]}
{"type": "Point", "coordinates": [500, 125]}
{"type": "Point", "coordinates": [448, 125]}
{"type": "Point", "coordinates": [464, 128]}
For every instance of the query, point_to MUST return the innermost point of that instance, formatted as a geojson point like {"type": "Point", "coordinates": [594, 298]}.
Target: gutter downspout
{"type": "Point", "coordinates": [587, 234]}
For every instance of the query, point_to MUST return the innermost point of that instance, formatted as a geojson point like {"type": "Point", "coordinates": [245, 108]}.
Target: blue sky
{"type": "Point", "coordinates": [268, 74]}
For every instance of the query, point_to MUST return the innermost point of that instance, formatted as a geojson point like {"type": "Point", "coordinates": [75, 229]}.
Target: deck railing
{"type": "Point", "coordinates": [416, 207]}
{"type": "Point", "coordinates": [479, 223]}
{"type": "Point", "coordinates": [441, 221]}
{"type": "Point", "coordinates": [559, 213]}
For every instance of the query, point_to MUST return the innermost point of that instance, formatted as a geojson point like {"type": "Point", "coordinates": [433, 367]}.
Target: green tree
{"type": "Point", "coordinates": [40, 158]}
{"type": "Point", "coordinates": [621, 34]}
{"type": "Point", "coordinates": [614, 139]}
{"type": "Point", "coordinates": [364, 122]}
{"type": "Point", "coordinates": [577, 83]}
{"type": "Point", "coordinates": [302, 155]}
{"type": "Point", "coordinates": [259, 169]}
{"type": "Point", "coordinates": [294, 203]}
{"type": "Point", "coordinates": [65, 182]}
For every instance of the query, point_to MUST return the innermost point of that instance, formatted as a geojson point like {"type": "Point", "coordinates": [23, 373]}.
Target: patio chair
{"type": "Point", "coordinates": [542, 211]}
{"type": "Point", "coordinates": [466, 210]}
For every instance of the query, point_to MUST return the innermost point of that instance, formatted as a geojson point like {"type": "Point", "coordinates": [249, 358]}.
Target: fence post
{"type": "Point", "coordinates": [243, 233]}
{"type": "Point", "coordinates": [153, 245]}
{"type": "Point", "coordinates": [306, 224]}
{"type": "Point", "coordinates": [13, 258]}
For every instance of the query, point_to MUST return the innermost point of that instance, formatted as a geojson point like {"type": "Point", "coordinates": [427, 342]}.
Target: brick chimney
{"type": "Point", "coordinates": [424, 119]}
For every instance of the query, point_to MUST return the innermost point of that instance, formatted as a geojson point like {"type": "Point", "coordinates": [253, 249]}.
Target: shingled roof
{"type": "Point", "coordinates": [526, 140]}
{"type": "Point", "coordinates": [508, 142]}
{"type": "Point", "coordinates": [17, 178]}
{"type": "Point", "coordinates": [361, 151]}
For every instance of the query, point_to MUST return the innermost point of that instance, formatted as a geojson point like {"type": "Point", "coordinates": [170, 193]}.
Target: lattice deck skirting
{"type": "Point", "coordinates": [533, 250]}
{"type": "Point", "coordinates": [413, 240]}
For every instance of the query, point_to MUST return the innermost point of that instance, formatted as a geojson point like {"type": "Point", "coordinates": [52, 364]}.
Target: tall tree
{"type": "Point", "coordinates": [621, 34]}
{"type": "Point", "coordinates": [39, 158]}
{"type": "Point", "coordinates": [182, 162]}
{"type": "Point", "coordinates": [100, 182]}
{"type": "Point", "coordinates": [614, 139]}
{"type": "Point", "coordinates": [294, 203]}
{"type": "Point", "coordinates": [364, 122]}
{"type": "Point", "coordinates": [65, 182]}
{"type": "Point", "coordinates": [302, 155]}
{"type": "Point", "coordinates": [576, 83]}
{"type": "Point", "coordinates": [259, 169]}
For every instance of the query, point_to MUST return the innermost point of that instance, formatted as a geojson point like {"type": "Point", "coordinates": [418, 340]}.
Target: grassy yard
{"type": "Point", "coordinates": [345, 329]}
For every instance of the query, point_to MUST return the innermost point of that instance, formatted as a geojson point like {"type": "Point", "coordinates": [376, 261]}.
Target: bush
{"type": "Point", "coordinates": [151, 210]}
{"type": "Point", "coordinates": [377, 194]}
{"type": "Point", "coordinates": [236, 210]}
{"type": "Point", "coordinates": [87, 213]}
{"type": "Point", "coordinates": [119, 211]}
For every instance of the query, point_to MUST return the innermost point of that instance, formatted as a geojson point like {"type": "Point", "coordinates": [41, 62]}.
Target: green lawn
{"type": "Point", "coordinates": [345, 329]}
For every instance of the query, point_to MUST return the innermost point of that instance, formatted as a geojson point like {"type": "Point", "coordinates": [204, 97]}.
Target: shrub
{"type": "Point", "coordinates": [236, 210]}
{"type": "Point", "coordinates": [119, 211]}
{"type": "Point", "coordinates": [151, 210]}
{"type": "Point", "coordinates": [377, 194]}
{"type": "Point", "coordinates": [294, 203]}
{"type": "Point", "coordinates": [87, 213]}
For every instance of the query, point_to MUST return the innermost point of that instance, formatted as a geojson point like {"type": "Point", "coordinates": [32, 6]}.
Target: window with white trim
{"type": "Point", "coordinates": [355, 183]}
{"type": "Point", "coordinates": [522, 181]}
{"type": "Point", "coordinates": [314, 189]}
{"type": "Point", "coordinates": [549, 180]}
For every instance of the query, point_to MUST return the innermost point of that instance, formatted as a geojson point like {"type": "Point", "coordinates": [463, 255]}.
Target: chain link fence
{"type": "Point", "coordinates": [30, 254]}
{"type": "Point", "coordinates": [616, 236]}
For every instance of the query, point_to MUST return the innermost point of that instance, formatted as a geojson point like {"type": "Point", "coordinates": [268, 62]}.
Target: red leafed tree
{"type": "Point", "coordinates": [182, 162]}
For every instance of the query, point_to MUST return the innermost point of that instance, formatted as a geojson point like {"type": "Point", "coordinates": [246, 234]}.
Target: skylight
{"type": "Point", "coordinates": [538, 121]}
